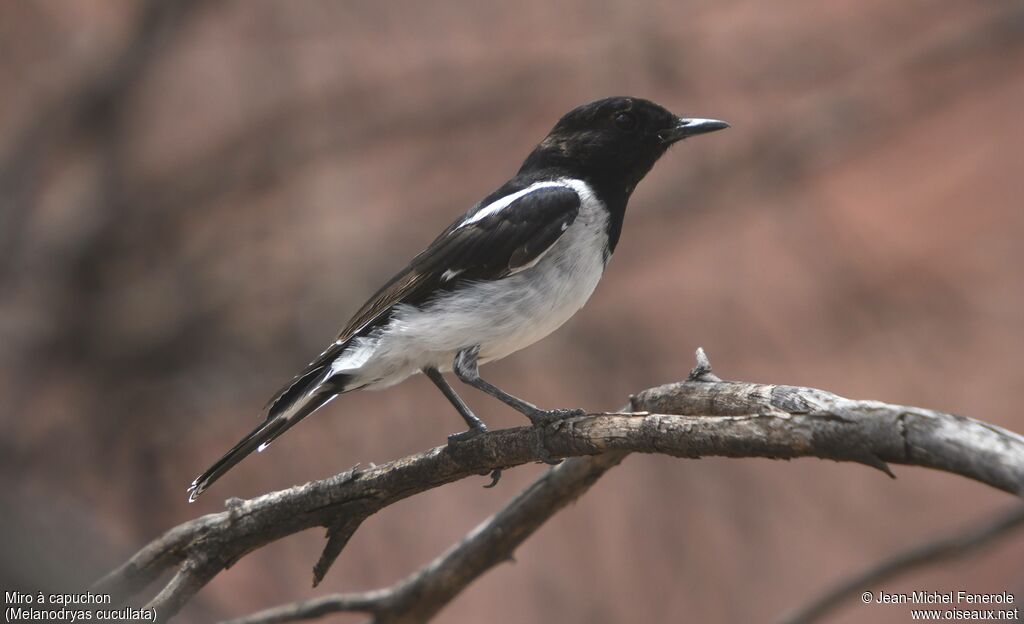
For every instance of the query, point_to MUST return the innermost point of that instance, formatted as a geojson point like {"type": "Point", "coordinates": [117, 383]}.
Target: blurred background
{"type": "Point", "coordinates": [195, 196]}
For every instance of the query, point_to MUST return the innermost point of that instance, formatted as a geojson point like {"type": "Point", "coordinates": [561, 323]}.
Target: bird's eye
{"type": "Point", "coordinates": [625, 121]}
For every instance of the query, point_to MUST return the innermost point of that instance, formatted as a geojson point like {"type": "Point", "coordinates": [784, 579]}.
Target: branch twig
{"type": "Point", "coordinates": [422, 594]}
{"type": "Point", "coordinates": [695, 419]}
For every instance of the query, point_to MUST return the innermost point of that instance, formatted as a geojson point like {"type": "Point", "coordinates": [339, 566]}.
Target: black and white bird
{"type": "Point", "coordinates": [507, 273]}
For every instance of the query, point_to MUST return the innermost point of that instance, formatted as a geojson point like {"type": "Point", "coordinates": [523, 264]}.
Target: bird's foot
{"type": "Point", "coordinates": [495, 477]}
{"type": "Point", "coordinates": [540, 417]}
{"type": "Point", "coordinates": [469, 434]}
{"type": "Point", "coordinates": [545, 456]}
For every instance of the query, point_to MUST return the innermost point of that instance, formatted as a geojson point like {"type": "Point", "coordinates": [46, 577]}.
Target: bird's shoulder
{"type": "Point", "coordinates": [502, 234]}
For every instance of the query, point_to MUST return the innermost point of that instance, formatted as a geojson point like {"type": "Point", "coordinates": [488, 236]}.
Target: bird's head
{"type": "Point", "coordinates": [615, 140]}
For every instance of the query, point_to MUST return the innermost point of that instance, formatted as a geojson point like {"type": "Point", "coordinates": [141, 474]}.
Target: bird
{"type": "Point", "coordinates": [504, 275]}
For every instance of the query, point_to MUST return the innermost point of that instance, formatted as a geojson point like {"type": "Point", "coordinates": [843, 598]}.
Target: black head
{"type": "Point", "coordinates": [614, 142]}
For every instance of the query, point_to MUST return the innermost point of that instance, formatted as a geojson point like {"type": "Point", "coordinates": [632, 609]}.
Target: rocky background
{"type": "Point", "coordinates": [194, 197]}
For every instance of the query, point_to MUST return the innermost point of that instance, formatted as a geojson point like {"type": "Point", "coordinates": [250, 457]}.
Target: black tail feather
{"type": "Point", "coordinates": [282, 416]}
{"type": "Point", "coordinates": [314, 374]}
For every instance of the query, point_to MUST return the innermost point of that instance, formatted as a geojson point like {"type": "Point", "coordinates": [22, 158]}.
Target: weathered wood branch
{"type": "Point", "coordinates": [422, 594]}
{"type": "Point", "coordinates": [692, 419]}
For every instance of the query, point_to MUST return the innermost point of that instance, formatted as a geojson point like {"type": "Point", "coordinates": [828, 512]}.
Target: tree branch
{"type": "Point", "coordinates": [422, 594]}
{"type": "Point", "coordinates": [696, 418]}
{"type": "Point", "coordinates": [946, 548]}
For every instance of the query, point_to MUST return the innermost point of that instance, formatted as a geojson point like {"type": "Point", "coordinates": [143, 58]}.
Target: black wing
{"type": "Point", "coordinates": [494, 245]}
{"type": "Point", "coordinates": [483, 245]}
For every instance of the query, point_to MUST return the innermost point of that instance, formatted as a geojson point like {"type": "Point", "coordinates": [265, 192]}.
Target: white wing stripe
{"type": "Point", "coordinates": [500, 204]}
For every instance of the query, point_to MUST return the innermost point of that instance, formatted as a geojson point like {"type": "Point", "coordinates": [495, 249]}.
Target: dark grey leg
{"type": "Point", "coordinates": [476, 426]}
{"type": "Point", "coordinates": [467, 370]}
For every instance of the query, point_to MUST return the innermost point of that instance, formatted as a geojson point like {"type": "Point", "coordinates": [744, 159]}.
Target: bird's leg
{"type": "Point", "coordinates": [476, 426]}
{"type": "Point", "coordinates": [467, 370]}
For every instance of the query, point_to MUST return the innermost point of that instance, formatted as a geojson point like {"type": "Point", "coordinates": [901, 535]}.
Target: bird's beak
{"type": "Point", "coordinates": [690, 127]}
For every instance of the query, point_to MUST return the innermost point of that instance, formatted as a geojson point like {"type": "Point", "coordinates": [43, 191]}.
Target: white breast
{"type": "Point", "coordinates": [501, 316]}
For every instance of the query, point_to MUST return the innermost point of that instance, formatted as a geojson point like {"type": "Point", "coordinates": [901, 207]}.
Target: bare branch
{"type": "Point", "coordinates": [363, 602]}
{"type": "Point", "coordinates": [694, 419]}
{"type": "Point", "coordinates": [944, 549]}
{"type": "Point", "coordinates": [338, 536]}
{"type": "Point", "coordinates": [186, 582]}
{"type": "Point", "coordinates": [421, 595]}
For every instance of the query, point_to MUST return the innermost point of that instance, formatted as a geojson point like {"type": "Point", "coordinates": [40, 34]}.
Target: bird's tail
{"type": "Point", "coordinates": [303, 396]}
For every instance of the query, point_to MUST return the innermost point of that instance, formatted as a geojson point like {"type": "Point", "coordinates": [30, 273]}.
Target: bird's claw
{"type": "Point", "coordinates": [467, 435]}
{"type": "Point", "coordinates": [549, 460]}
{"type": "Point", "coordinates": [541, 418]}
{"type": "Point", "coordinates": [495, 477]}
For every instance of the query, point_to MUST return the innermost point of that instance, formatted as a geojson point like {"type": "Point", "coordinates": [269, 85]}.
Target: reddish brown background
{"type": "Point", "coordinates": [186, 221]}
